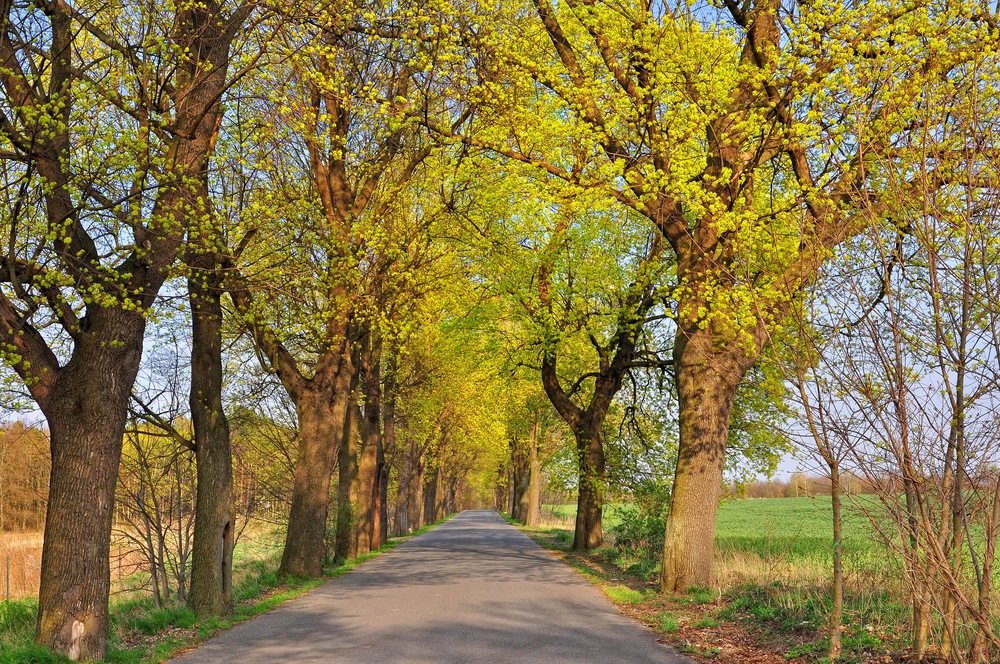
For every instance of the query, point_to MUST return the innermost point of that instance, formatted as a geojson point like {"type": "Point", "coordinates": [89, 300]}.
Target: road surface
{"type": "Point", "coordinates": [474, 589]}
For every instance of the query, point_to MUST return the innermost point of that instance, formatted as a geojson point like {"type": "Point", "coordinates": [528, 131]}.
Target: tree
{"type": "Point", "coordinates": [347, 154]}
{"type": "Point", "coordinates": [909, 400]}
{"type": "Point", "coordinates": [744, 133]}
{"type": "Point", "coordinates": [106, 114]}
{"type": "Point", "coordinates": [579, 282]}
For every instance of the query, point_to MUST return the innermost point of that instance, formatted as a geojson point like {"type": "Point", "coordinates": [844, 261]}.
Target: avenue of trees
{"type": "Point", "coordinates": [373, 262]}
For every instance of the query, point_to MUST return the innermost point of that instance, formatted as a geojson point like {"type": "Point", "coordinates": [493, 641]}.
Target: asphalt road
{"type": "Point", "coordinates": [474, 589]}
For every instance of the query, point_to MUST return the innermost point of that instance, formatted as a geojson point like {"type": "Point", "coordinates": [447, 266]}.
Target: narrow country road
{"type": "Point", "coordinates": [473, 589]}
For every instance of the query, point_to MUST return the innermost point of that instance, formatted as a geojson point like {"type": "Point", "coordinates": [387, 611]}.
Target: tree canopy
{"type": "Point", "coordinates": [431, 250]}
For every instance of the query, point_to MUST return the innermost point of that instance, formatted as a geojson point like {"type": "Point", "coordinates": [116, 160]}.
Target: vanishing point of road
{"type": "Point", "coordinates": [473, 589]}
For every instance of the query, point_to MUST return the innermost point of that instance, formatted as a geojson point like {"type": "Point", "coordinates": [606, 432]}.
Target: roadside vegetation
{"type": "Point", "coordinates": [141, 633]}
{"type": "Point", "coordinates": [772, 603]}
{"type": "Point", "coordinates": [343, 268]}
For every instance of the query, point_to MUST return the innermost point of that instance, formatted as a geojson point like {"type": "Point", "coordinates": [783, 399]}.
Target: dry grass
{"type": "Point", "coordinates": [22, 554]}
{"type": "Point", "coordinates": [739, 568]}
{"type": "Point", "coordinates": [554, 517]}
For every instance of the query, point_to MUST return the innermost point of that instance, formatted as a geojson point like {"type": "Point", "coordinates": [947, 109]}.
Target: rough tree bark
{"type": "Point", "coordinates": [359, 511]}
{"type": "Point", "coordinates": [85, 400]}
{"type": "Point", "coordinates": [367, 527]}
{"type": "Point", "coordinates": [347, 487]}
{"type": "Point", "coordinates": [526, 478]}
{"type": "Point", "coordinates": [429, 514]}
{"type": "Point", "coordinates": [440, 503]}
{"type": "Point", "coordinates": [322, 411]}
{"type": "Point", "coordinates": [418, 515]}
{"type": "Point", "coordinates": [520, 479]}
{"type": "Point", "coordinates": [86, 426]}
{"type": "Point", "coordinates": [214, 527]}
{"type": "Point", "coordinates": [534, 507]}
{"type": "Point", "coordinates": [706, 387]}
{"type": "Point", "coordinates": [390, 449]}
{"type": "Point", "coordinates": [380, 512]}
{"type": "Point", "coordinates": [589, 530]}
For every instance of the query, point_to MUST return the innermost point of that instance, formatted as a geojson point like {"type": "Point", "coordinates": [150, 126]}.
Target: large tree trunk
{"type": "Point", "coordinates": [389, 448]}
{"type": "Point", "coordinates": [367, 527]}
{"type": "Point", "coordinates": [418, 515]}
{"type": "Point", "coordinates": [365, 501]}
{"type": "Point", "coordinates": [431, 498]}
{"type": "Point", "coordinates": [706, 387]}
{"type": "Point", "coordinates": [347, 487]}
{"type": "Point", "coordinates": [321, 414]}
{"type": "Point", "coordinates": [520, 480]}
{"type": "Point", "coordinates": [589, 531]}
{"type": "Point", "coordinates": [380, 510]}
{"type": "Point", "coordinates": [212, 557]}
{"type": "Point", "coordinates": [534, 509]}
{"type": "Point", "coordinates": [402, 518]}
{"type": "Point", "coordinates": [86, 413]}
{"type": "Point", "coordinates": [440, 495]}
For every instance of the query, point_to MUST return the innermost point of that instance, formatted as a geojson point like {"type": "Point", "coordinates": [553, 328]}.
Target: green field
{"type": "Point", "coordinates": [796, 531]}
{"type": "Point", "coordinates": [796, 527]}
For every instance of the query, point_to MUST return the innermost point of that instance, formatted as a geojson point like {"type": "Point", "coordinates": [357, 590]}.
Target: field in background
{"type": "Point", "coordinates": [259, 545]}
{"type": "Point", "coordinates": [763, 539]}
{"type": "Point", "coordinates": [21, 554]}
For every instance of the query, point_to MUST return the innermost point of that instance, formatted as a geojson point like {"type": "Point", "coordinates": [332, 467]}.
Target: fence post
{"type": "Point", "coordinates": [7, 577]}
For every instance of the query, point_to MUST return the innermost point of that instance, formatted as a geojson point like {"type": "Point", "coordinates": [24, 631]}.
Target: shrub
{"type": "Point", "coordinates": [639, 534]}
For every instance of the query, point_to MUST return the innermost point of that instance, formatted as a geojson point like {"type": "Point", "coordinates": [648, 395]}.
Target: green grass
{"type": "Point", "coordinates": [776, 556]}
{"type": "Point", "coordinates": [567, 511]}
{"type": "Point", "coordinates": [624, 594]}
{"type": "Point", "coordinates": [794, 529]}
{"type": "Point", "coordinates": [564, 511]}
{"type": "Point", "coordinates": [797, 528]}
{"type": "Point", "coordinates": [17, 628]}
{"type": "Point", "coordinates": [668, 623]}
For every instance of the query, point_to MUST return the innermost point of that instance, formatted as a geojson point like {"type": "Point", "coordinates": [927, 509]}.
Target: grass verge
{"type": "Point", "coordinates": [747, 624]}
{"type": "Point", "coordinates": [142, 634]}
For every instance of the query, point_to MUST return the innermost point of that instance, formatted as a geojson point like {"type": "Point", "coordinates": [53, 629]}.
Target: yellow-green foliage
{"type": "Point", "coordinates": [757, 157]}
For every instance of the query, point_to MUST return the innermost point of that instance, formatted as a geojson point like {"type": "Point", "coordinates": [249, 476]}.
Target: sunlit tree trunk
{"type": "Point", "coordinates": [706, 387]}
{"type": "Point", "coordinates": [430, 498]}
{"type": "Point", "coordinates": [214, 527]}
{"type": "Point", "coordinates": [592, 477]}
{"type": "Point", "coordinates": [369, 511]}
{"type": "Point", "coordinates": [347, 488]}
{"type": "Point", "coordinates": [417, 482]}
{"type": "Point", "coordinates": [86, 413]}
{"type": "Point", "coordinates": [534, 507]}
{"type": "Point", "coordinates": [520, 480]}
{"type": "Point", "coordinates": [321, 416]}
